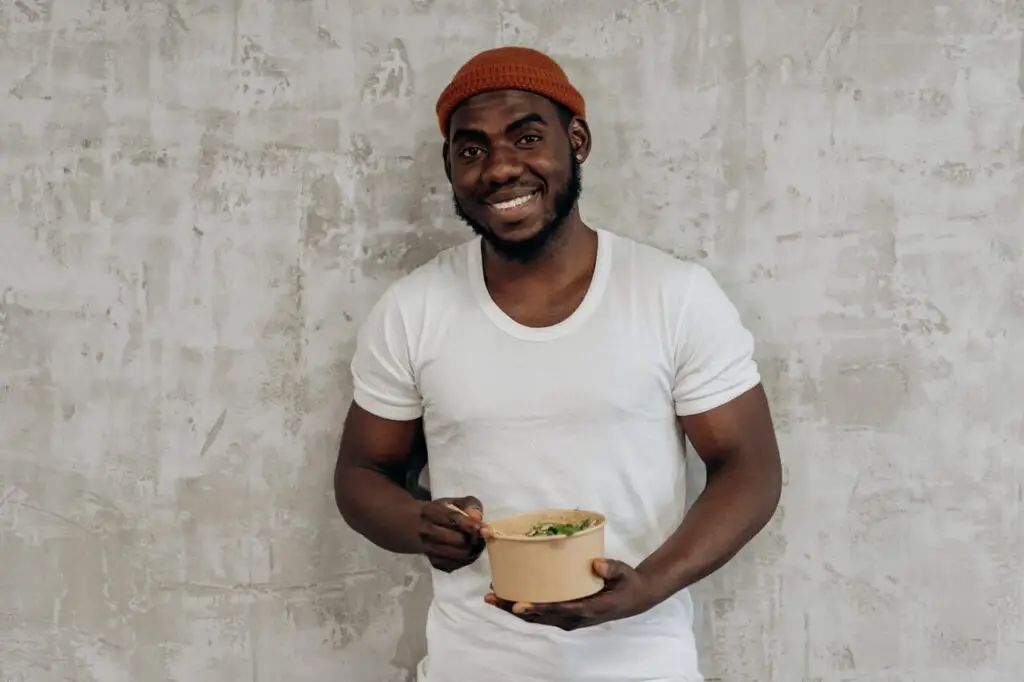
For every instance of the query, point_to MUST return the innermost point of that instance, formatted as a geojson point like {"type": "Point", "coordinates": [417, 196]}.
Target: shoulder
{"type": "Point", "coordinates": [438, 280]}
{"type": "Point", "coordinates": [443, 272]}
{"type": "Point", "coordinates": [427, 292]}
{"type": "Point", "coordinates": [673, 280]}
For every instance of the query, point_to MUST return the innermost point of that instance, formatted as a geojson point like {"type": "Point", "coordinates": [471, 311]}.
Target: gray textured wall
{"type": "Point", "coordinates": [200, 200]}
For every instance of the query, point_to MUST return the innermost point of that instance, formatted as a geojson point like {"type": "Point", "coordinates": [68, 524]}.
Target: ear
{"type": "Point", "coordinates": [447, 162]}
{"type": "Point", "coordinates": [579, 138]}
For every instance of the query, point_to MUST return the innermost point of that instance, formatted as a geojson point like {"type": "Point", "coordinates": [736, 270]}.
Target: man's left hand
{"type": "Point", "coordinates": [626, 593]}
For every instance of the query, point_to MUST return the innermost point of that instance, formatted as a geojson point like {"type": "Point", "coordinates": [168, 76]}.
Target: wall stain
{"type": "Point", "coordinates": [215, 430]}
{"type": "Point", "coordinates": [324, 212]}
{"type": "Point", "coordinates": [392, 78]}
{"type": "Point", "coordinates": [35, 11]}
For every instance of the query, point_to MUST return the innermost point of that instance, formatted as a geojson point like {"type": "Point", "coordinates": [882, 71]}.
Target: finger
{"type": "Point", "coordinates": [530, 615]}
{"type": "Point", "coordinates": [533, 613]}
{"type": "Point", "coordinates": [439, 535]}
{"type": "Point", "coordinates": [471, 505]}
{"type": "Point", "coordinates": [520, 608]}
{"type": "Point", "coordinates": [447, 565]}
{"type": "Point", "coordinates": [575, 610]}
{"type": "Point", "coordinates": [565, 616]}
{"type": "Point", "coordinates": [495, 600]}
{"type": "Point", "coordinates": [442, 556]}
{"type": "Point", "coordinates": [611, 569]}
{"type": "Point", "coordinates": [462, 551]}
{"type": "Point", "coordinates": [449, 553]}
{"type": "Point", "coordinates": [439, 515]}
{"type": "Point", "coordinates": [546, 611]}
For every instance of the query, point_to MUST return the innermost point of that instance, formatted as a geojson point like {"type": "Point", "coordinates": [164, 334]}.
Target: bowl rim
{"type": "Point", "coordinates": [601, 521]}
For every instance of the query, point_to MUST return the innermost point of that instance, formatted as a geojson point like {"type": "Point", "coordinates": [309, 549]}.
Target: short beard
{"type": "Point", "coordinates": [529, 249]}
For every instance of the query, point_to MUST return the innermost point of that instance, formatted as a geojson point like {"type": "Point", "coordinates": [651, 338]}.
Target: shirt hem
{"type": "Point", "coordinates": [420, 672]}
{"type": "Point", "coordinates": [688, 408]}
{"type": "Point", "coordinates": [383, 410]}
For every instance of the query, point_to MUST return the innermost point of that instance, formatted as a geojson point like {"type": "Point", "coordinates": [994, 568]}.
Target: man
{"type": "Point", "coordinates": [553, 364]}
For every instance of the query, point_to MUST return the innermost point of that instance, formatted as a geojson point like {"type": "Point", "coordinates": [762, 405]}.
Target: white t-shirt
{"type": "Point", "coordinates": [579, 414]}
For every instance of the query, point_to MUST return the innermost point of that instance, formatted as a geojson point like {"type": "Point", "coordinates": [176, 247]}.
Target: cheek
{"type": "Point", "coordinates": [548, 167]}
{"type": "Point", "coordinates": [465, 196]}
{"type": "Point", "coordinates": [462, 186]}
{"type": "Point", "coordinates": [557, 179]}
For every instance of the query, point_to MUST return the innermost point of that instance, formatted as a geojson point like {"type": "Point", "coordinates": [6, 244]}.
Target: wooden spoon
{"type": "Point", "coordinates": [494, 533]}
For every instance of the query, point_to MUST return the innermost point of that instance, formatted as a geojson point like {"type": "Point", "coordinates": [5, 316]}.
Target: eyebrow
{"type": "Point", "coordinates": [475, 133]}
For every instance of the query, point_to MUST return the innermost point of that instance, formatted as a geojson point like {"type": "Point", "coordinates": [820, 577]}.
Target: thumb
{"type": "Point", "coordinates": [611, 569]}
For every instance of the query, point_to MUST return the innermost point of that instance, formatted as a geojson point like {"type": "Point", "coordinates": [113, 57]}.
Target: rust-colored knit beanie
{"type": "Point", "coordinates": [508, 68]}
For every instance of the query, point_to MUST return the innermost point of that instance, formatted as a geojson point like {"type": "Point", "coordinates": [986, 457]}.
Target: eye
{"type": "Point", "coordinates": [468, 151]}
{"type": "Point", "coordinates": [530, 138]}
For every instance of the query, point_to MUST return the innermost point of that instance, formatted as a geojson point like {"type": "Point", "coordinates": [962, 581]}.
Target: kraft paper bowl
{"type": "Point", "coordinates": [546, 568]}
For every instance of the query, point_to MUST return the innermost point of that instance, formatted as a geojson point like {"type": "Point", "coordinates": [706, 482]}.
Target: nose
{"type": "Point", "coordinates": [502, 166]}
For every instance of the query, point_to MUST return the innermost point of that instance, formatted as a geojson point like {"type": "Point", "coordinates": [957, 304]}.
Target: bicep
{"type": "Point", "coordinates": [386, 412]}
{"type": "Point", "coordinates": [738, 430]}
{"type": "Point", "coordinates": [373, 442]}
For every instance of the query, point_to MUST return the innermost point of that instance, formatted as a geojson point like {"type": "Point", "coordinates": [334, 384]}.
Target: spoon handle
{"type": "Point", "coordinates": [451, 506]}
{"type": "Point", "coordinates": [454, 508]}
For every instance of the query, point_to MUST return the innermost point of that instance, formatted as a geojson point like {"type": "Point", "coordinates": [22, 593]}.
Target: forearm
{"type": "Point", "coordinates": [379, 509]}
{"type": "Point", "coordinates": [737, 502]}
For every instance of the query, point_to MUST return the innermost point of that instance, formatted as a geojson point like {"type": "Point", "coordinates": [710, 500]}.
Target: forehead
{"type": "Point", "coordinates": [490, 112]}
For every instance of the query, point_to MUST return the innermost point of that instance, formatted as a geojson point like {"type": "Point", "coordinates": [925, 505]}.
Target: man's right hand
{"type": "Point", "coordinates": [450, 539]}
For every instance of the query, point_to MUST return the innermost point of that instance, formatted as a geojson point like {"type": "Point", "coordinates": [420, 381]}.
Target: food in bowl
{"type": "Point", "coordinates": [547, 555]}
{"type": "Point", "coordinates": [549, 528]}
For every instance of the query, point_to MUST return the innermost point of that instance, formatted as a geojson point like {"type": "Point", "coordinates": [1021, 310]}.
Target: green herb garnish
{"type": "Point", "coordinates": [548, 529]}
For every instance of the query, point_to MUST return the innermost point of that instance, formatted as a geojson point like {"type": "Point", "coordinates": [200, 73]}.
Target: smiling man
{"type": "Point", "coordinates": [549, 363]}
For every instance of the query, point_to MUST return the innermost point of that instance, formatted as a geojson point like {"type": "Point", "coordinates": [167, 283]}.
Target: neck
{"type": "Point", "coordinates": [570, 252]}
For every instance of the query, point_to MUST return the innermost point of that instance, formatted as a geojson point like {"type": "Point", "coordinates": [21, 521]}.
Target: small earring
{"type": "Point", "coordinates": [579, 157]}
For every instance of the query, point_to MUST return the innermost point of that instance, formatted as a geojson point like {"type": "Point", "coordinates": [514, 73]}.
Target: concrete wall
{"type": "Point", "coordinates": [200, 199]}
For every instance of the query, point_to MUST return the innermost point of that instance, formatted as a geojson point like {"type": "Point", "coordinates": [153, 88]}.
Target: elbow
{"type": "Point", "coordinates": [756, 476]}
{"type": "Point", "coordinates": [342, 498]}
{"type": "Point", "coordinates": [772, 485]}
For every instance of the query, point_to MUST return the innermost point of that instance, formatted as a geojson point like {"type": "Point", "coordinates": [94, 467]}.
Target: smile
{"type": "Point", "coordinates": [514, 203]}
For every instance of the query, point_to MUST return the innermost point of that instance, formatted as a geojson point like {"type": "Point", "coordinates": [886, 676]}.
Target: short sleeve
{"type": "Point", "coordinates": [714, 351]}
{"type": "Point", "coordinates": [382, 374]}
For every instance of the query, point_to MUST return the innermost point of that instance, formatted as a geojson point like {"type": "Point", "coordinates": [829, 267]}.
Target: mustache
{"type": "Point", "coordinates": [509, 191]}
{"type": "Point", "coordinates": [564, 197]}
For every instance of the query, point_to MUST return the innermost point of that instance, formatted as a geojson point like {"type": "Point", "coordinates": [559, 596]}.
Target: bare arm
{"type": "Point", "coordinates": [737, 443]}
{"type": "Point", "coordinates": [369, 487]}
{"type": "Point", "coordinates": [369, 481]}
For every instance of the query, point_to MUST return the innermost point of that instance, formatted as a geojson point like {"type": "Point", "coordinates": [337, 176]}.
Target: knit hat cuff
{"type": "Point", "coordinates": [507, 76]}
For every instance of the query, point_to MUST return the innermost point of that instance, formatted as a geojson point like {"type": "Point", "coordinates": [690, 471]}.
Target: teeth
{"type": "Point", "coordinates": [505, 205]}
